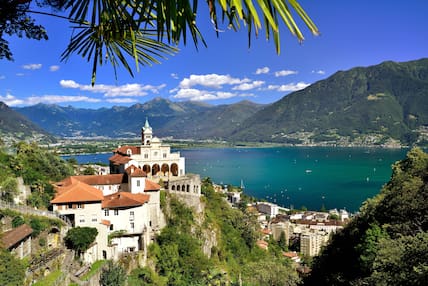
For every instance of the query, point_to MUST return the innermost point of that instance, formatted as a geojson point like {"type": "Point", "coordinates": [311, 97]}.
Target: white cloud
{"type": "Point", "coordinates": [285, 73]}
{"type": "Point", "coordinates": [248, 86]}
{"type": "Point", "coordinates": [121, 100]}
{"type": "Point", "coordinates": [32, 66]}
{"type": "Point", "coordinates": [51, 99]}
{"type": "Point", "coordinates": [10, 100]}
{"type": "Point", "coordinates": [201, 95]}
{"type": "Point", "coordinates": [54, 68]}
{"type": "Point", "coordinates": [20, 74]}
{"type": "Point", "coordinates": [174, 76]}
{"type": "Point", "coordinates": [289, 87]}
{"type": "Point", "coordinates": [133, 89]}
{"type": "Point", "coordinates": [210, 80]}
{"type": "Point", "coordinates": [263, 70]}
{"type": "Point", "coordinates": [2, 77]}
{"type": "Point", "coordinates": [319, 72]}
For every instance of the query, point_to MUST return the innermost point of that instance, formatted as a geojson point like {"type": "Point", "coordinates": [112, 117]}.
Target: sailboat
{"type": "Point", "coordinates": [242, 185]}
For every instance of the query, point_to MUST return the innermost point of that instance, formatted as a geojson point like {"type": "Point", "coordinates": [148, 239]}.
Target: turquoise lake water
{"type": "Point", "coordinates": [293, 176]}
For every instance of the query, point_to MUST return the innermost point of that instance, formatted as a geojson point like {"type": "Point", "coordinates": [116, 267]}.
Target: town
{"type": "Point", "coordinates": [123, 203]}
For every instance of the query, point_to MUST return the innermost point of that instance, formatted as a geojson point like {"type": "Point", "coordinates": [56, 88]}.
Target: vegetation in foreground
{"type": "Point", "coordinates": [387, 244]}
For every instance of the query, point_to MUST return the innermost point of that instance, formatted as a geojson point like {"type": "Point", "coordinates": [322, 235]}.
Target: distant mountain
{"type": "Point", "coordinates": [390, 99]}
{"type": "Point", "coordinates": [16, 127]}
{"type": "Point", "coordinates": [178, 119]}
{"type": "Point", "coordinates": [367, 105]}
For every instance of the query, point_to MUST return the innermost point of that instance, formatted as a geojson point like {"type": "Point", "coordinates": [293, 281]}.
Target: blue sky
{"type": "Point", "coordinates": [353, 33]}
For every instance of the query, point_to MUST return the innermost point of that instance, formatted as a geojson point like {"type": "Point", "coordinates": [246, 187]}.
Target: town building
{"type": "Point", "coordinates": [124, 206]}
{"type": "Point", "coordinates": [152, 156]}
{"type": "Point", "coordinates": [312, 242]}
{"type": "Point", "coordinates": [18, 240]}
{"type": "Point", "coordinates": [124, 209]}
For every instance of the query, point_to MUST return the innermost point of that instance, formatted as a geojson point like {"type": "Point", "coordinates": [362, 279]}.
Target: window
{"type": "Point", "coordinates": [111, 227]}
{"type": "Point", "coordinates": [80, 206]}
{"type": "Point", "coordinates": [94, 218]}
{"type": "Point", "coordinates": [116, 212]}
{"type": "Point", "coordinates": [146, 156]}
{"type": "Point", "coordinates": [106, 212]}
{"type": "Point", "coordinates": [150, 223]}
{"type": "Point", "coordinates": [131, 215]}
{"type": "Point", "coordinates": [132, 226]}
{"type": "Point", "coordinates": [138, 183]}
{"type": "Point", "coordinates": [156, 153]}
{"type": "Point", "coordinates": [70, 206]}
{"type": "Point", "coordinates": [164, 155]}
{"type": "Point", "coordinates": [81, 218]}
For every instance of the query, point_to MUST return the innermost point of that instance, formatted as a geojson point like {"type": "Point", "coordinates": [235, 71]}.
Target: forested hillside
{"type": "Point", "coordinates": [387, 243]}
{"type": "Point", "coordinates": [15, 127]}
{"type": "Point", "coordinates": [37, 167]}
{"type": "Point", "coordinates": [389, 99]}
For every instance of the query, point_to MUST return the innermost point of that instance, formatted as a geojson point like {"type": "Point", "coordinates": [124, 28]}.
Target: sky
{"type": "Point", "coordinates": [353, 34]}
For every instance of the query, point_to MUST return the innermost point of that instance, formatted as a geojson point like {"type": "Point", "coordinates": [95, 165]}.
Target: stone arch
{"type": "Point", "coordinates": [173, 187]}
{"type": "Point", "coordinates": [155, 169]}
{"type": "Point", "coordinates": [146, 169]}
{"type": "Point", "coordinates": [183, 188]}
{"type": "Point", "coordinates": [165, 169]}
{"type": "Point", "coordinates": [174, 169]}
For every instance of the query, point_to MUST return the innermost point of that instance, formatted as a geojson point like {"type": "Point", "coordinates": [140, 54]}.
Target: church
{"type": "Point", "coordinates": [152, 156]}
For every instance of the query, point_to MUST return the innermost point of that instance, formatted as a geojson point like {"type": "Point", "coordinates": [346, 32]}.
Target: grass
{"type": "Point", "coordinates": [49, 279]}
{"type": "Point", "coordinates": [94, 268]}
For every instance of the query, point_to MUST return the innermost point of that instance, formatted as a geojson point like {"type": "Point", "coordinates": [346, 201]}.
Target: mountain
{"type": "Point", "coordinates": [16, 127]}
{"type": "Point", "coordinates": [178, 119]}
{"type": "Point", "coordinates": [390, 99]}
{"type": "Point", "coordinates": [364, 105]}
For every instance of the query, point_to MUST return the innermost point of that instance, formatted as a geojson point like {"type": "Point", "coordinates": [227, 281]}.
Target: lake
{"type": "Point", "coordinates": [293, 176]}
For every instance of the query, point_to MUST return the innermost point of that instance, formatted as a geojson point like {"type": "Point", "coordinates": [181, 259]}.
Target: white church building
{"type": "Point", "coordinates": [152, 156]}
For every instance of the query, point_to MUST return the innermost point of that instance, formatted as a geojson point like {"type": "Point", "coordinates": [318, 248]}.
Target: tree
{"type": "Point", "coordinates": [113, 275]}
{"type": "Point", "coordinates": [144, 31]}
{"type": "Point", "coordinates": [269, 272]}
{"type": "Point", "coordinates": [8, 189]}
{"type": "Point", "coordinates": [80, 238]}
{"type": "Point", "coordinates": [12, 271]}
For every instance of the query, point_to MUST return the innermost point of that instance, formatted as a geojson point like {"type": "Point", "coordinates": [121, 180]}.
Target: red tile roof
{"type": "Point", "coordinates": [262, 244]}
{"type": "Point", "coordinates": [111, 179]}
{"type": "Point", "coordinates": [105, 222]}
{"type": "Point", "coordinates": [123, 150]}
{"type": "Point", "coordinates": [11, 237]}
{"type": "Point", "coordinates": [124, 199]}
{"type": "Point", "coordinates": [151, 186]}
{"type": "Point", "coordinates": [290, 254]}
{"type": "Point", "coordinates": [118, 159]}
{"type": "Point", "coordinates": [72, 190]}
{"type": "Point", "coordinates": [133, 171]}
{"type": "Point", "coordinates": [266, 231]}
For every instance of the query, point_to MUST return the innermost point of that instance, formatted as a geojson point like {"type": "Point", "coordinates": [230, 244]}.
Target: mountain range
{"type": "Point", "coordinates": [389, 100]}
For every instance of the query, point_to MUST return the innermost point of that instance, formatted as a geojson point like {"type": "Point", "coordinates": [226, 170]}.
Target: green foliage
{"type": "Point", "coordinates": [38, 225]}
{"type": "Point", "coordinates": [387, 243]}
{"type": "Point", "coordinates": [12, 271]}
{"type": "Point", "coordinates": [8, 188]}
{"type": "Point", "coordinates": [402, 261]}
{"type": "Point", "coordinates": [89, 171]}
{"type": "Point", "coordinates": [80, 238]}
{"type": "Point", "coordinates": [17, 221]}
{"type": "Point", "coordinates": [144, 276]}
{"type": "Point", "coordinates": [38, 168]}
{"type": "Point", "coordinates": [268, 272]}
{"type": "Point", "coordinates": [113, 275]}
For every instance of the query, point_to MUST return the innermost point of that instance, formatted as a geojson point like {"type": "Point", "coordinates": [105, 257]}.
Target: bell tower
{"type": "Point", "coordinates": [146, 133]}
